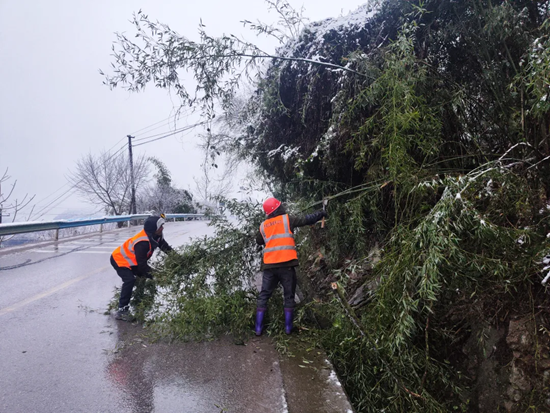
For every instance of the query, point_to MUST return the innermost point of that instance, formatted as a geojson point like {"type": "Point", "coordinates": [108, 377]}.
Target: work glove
{"type": "Point", "coordinates": [324, 214]}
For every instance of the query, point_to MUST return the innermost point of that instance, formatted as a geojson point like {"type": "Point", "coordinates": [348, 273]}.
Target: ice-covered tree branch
{"type": "Point", "coordinates": [159, 55]}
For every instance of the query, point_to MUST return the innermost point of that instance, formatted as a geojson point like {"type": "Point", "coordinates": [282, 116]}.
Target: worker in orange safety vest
{"type": "Point", "coordinates": [130, 259]}
{"type": "Point", "coordinates": [280, 258]}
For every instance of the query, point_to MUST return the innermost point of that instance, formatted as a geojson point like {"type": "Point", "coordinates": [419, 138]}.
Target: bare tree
{"type": "Point", "coordinates": [9, 208]}
{"type": "Point", "coordinates": [105, 180]}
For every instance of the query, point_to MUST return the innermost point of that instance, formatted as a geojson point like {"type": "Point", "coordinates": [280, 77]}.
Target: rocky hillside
{"type": "Point", "coordinates": [426, 126]}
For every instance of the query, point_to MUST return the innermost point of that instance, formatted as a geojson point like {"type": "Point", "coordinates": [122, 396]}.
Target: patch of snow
{"type": "Point", "coordinates": [489, 187]}
{"type": "Point", "coordinates": [437, 217]}
{"type": "Point", "coordinates": [285, 406]}
{"type": "Point", "coordinates": [285, 152]}
{"type": "Point", "coordinates": [316, 32]}
{"type": "Point", "coordinates": [429, 184]}
{"type": "Point", "coordinates": [333, 378]}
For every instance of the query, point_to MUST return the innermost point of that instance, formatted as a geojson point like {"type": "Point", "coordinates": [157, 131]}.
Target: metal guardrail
{"type": "Point", "coordinates": [22, 227]}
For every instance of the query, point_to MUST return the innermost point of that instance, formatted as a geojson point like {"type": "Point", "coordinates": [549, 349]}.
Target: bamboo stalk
{"type": "Point", "coordinates": [351, 314]}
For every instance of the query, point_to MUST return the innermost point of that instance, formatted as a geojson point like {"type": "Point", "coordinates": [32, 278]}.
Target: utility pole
{"type": "Point", "coordinates": [133, 201]}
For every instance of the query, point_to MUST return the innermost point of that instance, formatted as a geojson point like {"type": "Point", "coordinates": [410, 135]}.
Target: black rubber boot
{"type": "Point", "coordinates": [123, 314]}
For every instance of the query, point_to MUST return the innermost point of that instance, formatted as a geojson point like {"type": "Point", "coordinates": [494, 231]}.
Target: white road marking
{"type": "Point", "coordinates": [49, 292]}
{"type": "Point", "coordinates": [92, 244]}
{"type": "Point", "coordinates": [107, 251]}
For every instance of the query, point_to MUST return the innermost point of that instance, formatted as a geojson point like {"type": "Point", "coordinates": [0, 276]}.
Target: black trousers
{"type": "Point", "coordinates": [128, 281]}
{"type": "Point", "coordinates": [271, 278]}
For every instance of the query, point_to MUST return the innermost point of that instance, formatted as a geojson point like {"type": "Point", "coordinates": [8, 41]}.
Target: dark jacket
{"type": "Point", "coordinates": [295, 222]}
{"type": "Point", "coordinates": [141, 249]}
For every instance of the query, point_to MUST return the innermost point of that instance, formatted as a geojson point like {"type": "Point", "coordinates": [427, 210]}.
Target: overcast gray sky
{"type": "Point", "coordinates": [54, 108]}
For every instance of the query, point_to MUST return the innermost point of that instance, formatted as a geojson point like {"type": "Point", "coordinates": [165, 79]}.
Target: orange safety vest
{"type": "Point", "coordinates": [279, 240]}
{"type": "Point", "coordinates": [125, 255]}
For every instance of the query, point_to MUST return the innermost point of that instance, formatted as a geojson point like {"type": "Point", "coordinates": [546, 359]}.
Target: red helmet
{"type": "Point", "coordinates": [270, 205]}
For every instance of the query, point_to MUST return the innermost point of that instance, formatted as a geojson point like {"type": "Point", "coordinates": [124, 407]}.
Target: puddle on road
{"type": "Point", "coordinates": [195, 377]}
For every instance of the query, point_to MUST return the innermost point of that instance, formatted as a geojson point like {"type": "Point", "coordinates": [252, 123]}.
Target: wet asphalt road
{"type": "Point", "coordinates": [60, 352]}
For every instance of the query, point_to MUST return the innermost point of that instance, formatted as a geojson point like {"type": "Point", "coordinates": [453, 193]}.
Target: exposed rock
{"type": "Point", "coordinates": [544, 364]}
{"type": "Point", "coordinates": [491, 379]}
{"type": "Point", "coordinates": [520, 334]}
{"type": "Point", "coordinates": [364, 293]}
{"type": "Point", "coordinates": [518, 379]}
{"type": "Point", "coordinates": [513, 394]}
{"type": "Point", "coordinates": [510, 407]}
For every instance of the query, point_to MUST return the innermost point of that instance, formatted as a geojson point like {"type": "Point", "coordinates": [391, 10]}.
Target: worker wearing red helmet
{"type": "Point", "coordinates": [280, 258]}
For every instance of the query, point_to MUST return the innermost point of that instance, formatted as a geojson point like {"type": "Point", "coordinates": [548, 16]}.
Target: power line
{"type": "Point", "coordinates": [72, 185]}
{"type": "Point", "coordinates": [65, 195]}
{"type": "Point", "coordinates": [154, 124]}
{"type": "Point", "coordinates": [172, 133]}
{"type": "Point", "coordinates": [44, 210]}
{"type": "Point", "coordinates": [123, 147]}
{"type": "Point", "coordinates": [163, 125]}
{"type": "Point", "coordinates": [166, 121]}
{"type": "Point", "coordinates": [160, 134]}
{"type": "Point", "coordinates": [53, 193]}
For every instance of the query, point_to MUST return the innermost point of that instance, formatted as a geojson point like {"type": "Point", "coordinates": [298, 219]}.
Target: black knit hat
{"type": "Point", "coordinates": [153, 223]}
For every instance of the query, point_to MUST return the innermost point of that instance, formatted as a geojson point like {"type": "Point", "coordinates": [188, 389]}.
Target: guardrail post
{"type": "Point", "coordinates": [100, 228]}
{"type": "Point", "coordinates": [57, 234]}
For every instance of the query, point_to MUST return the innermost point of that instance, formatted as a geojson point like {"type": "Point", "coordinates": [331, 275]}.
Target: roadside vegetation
{"type": "Point", "coordinates": [426, 125]}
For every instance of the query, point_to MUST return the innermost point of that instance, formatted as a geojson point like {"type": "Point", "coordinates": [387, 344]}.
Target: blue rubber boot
{"type": "Point", "coordinates": [289, 318]}
{"type": "Point", "coordinates": [260, 312]}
